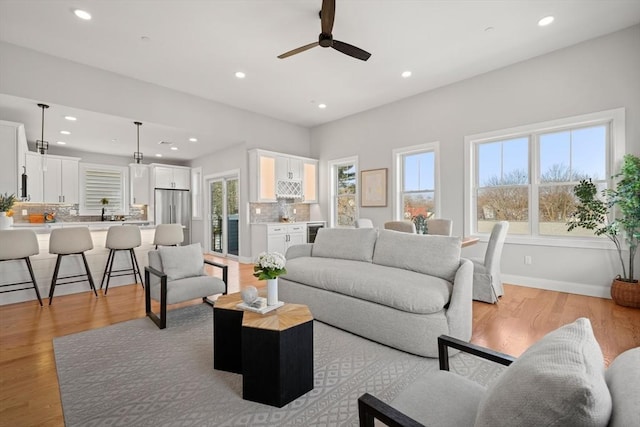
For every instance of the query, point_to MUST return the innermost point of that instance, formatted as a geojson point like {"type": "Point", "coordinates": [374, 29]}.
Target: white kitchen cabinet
{"type": "Point", "coordinates": [288, 168]}
{"type": "Point", "coordinates": [57, 184]}
{"type": "Point", "coordinates": [139, 184]}
{"type": "Point", "coordinates": [262, 177]}
{"type": "Point", "coordinates": [174, 177]}
{"type": "Point", "coordinates": [276, 237]}
{"type": "Point", "coordinates": [310, 181]}
{"type": "Point", "coordinates": [14, 144]}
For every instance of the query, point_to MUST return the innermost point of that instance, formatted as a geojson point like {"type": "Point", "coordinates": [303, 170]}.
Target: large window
{"type": "Point", "coordinates": [344, 192]}
{"type": "Point", "coordinates": [527, 176]}
{"type": "Point", "coordinates": [416, 181]}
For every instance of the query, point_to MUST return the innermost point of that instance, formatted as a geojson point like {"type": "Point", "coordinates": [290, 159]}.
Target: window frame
{"type": "Point", "coordinates": [333, 181]}
{"type": "Point", "coordinates": [615, 150]}
{"type": "Point", "coordinates": [124, 185]}
{"type": "Point", "coordinates": [398, 175]}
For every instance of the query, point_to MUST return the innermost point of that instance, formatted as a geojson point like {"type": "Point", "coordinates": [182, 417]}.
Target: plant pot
{"type": "Point", "coordinates": [5, 221]}
{"type": "Point", "coordinates": [626, 293]}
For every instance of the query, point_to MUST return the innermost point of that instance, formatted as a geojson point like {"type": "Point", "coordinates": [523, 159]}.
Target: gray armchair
{"type": "Point", "coordinates": [560, 380]}
{"type": "Point", "coordinates": [487, 284]}
{"type": "Point", "coordinates": [176, 274]}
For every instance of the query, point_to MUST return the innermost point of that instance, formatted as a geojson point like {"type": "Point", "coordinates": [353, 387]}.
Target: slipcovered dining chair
{"type": "Point", "coordinates": [403, 226]}
{"type": "Point", "coordinates": [559, 381]}
{"type": "Point", "coordinates": [364, 223]}
{"type": "Point", "coordinates": [442, 227]}
{"type": "Point", "coordinates": [168, 235]}
{"type": "Point", "coordinates": [176, 274]}
{"type": "Point", "coordinates": [487, 285]}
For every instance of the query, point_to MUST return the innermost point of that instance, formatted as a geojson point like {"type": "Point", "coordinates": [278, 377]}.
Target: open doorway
{"type": "Point", "coordinates": [223, 231]}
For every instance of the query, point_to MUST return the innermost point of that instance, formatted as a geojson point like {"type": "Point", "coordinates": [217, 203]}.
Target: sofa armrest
{"type": "Point", "coordinates": [460, 311]}
{"type": "Point", "coordinates": [371, 408]}
{"type": "Point", "coordinates": [225, 272]}
{"type": "Point", "coordinates": [299, 251]}
{"type": "Point", "coordinates": [444, 342]}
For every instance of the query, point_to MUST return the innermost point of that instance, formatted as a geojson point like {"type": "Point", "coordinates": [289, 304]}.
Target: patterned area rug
{"type": "Point", "coordinates": [133, 374]}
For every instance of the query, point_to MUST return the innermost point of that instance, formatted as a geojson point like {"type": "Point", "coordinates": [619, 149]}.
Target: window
{"type": "Point", "coordinates": [415, 192]}
{"type": "Point", "coordinates": [526, 175]}
{"type": "Point", "coordinates": [98, 182]}
{"type": "Point", "coordinates": [344, 185]}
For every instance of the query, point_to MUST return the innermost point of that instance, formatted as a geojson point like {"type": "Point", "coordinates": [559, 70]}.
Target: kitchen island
{"type": "Point", "coordinates": [44, 263]}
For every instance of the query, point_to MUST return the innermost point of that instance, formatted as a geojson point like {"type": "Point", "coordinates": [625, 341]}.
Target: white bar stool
{"type": "Point", "coordinates": [16, 245]}
{"type": "Point", "coordinates": [122, 238]}
{"type": "Point", "coordinates": [70, 241]}
{"type": "Point", "coordinates": [168, 235]}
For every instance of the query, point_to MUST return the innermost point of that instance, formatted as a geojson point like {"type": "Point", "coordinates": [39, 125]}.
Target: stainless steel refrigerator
{"type": "Point", "coordinates": [174, 207]}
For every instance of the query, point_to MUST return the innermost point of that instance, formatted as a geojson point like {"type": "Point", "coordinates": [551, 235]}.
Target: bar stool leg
{"type": "Point", "coordinates": [106, 267]}
{"type": "Point", "coordinates": [86, 266]}
{"type": "Point", "coordinates": [33, 279]}
{"type": "Point", "coordinates": [136, 268]}
{"type": "Point", "coordinates": [112, 252]}
{"type": "Point", "coordinates": [54, 279]}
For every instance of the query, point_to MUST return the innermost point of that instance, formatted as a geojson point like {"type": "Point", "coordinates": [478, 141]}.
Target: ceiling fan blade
{"type": "Point", "coordinates": [327, 14]}
{"type": "Point", "coordinates": [298, 50]}
{"type": "Point", "coordinates": [351, 50]}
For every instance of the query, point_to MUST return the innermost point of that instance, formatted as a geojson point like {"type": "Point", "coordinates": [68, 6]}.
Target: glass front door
{"type": "Point", "coordinates": [224, 216]}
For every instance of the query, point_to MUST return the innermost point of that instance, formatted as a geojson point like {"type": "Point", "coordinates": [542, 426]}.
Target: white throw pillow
{"type": "Point", "coordinates": [179, 262]}
{"type": "Point", "coordinates": [558, 381]}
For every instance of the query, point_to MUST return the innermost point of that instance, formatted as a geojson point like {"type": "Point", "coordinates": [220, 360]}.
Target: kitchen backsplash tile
{"type": "Point", "coordinates": [275, 212]}
{"type": "Point", "coordinates": [63, 212]}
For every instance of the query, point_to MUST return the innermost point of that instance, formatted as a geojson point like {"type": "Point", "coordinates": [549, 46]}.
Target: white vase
{"type": "Point", "coordinates": [272, 291]}
{"type": "Point", "coordinates": [5, 221]}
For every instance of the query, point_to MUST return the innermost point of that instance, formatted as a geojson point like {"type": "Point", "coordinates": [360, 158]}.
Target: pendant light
{"type": "Point", "coordinates": [138, 156]}
{"type": "Point", "coordinates": [42, 146]}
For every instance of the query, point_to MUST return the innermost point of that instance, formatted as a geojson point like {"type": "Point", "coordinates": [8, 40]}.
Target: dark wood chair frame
{"type": "Point", "coordinates": [161, 321]}
{"type": "Point", "coordinates": [371, 408]}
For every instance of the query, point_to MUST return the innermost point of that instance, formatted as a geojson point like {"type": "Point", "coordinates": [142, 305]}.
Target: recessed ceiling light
{"type": "Point", "coordinates": [70, 118]}
{"type": "Point", "coordinates": [114, 140]}
{"type": "Point", "coordinates": [322, 106]}
{"type": "Point", "coordinates": [82, 14]}
{"type": "Point", "coordinates": [174, 148]}
{"type": "Point", "coordinates": [65, 132]}
{"type": "Point", "coordinates": [158, 155]}
{"type": "Point", "coordinates": [193, 139]}
{"type": "Point", "coordinates": [545, 21]}
{"type": "Point", "coordinates": [240, 75]}
{"type": "Point", "coordinates": [61, 143]}
{"type": "Point", "coordinates": [406, 74]}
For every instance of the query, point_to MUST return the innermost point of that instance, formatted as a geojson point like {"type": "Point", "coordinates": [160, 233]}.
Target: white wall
{"type": "Point", "coordinates": [597, 75]}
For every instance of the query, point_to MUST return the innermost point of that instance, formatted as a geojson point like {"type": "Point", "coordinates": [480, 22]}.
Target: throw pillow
{"type": "Point", "coordinates": [558, 381]}
{"type": "Point", "coordinates": [344, 243]}
{"type": "Point", "coordinates": [179, 262]}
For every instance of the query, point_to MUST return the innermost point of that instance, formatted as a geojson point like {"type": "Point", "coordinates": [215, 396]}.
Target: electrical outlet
{"type": "Point", "coordinates": [24, 212]}
{"type": "Point", "coordinates": [528, 260]}
{"type": "Point", "coordinates": [258, 211]}
{"type": "Point", "coordinates": [294, 211]}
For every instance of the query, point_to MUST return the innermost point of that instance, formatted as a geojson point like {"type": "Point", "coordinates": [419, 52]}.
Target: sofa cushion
{"type": "Point", "coordinates": [345, 243]}
{"type": "Point", "coordinates": [558, 381]}
{"type": "Point", "coordinates": [400, 289]}
{"type": "Point", "coordinates": [623, 379]}
{"type": "Point", "coordinates": [179, 262]}
{"type": "Point", "coordinates": [189, 288]}
{"type": "Point", "coordinates": [427, 254]}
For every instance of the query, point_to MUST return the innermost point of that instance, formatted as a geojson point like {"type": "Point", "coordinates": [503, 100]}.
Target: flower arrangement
{"type": "Point", "coordinates": [6, 202]}
{"type": "Point", "coordinates": [269, 266]}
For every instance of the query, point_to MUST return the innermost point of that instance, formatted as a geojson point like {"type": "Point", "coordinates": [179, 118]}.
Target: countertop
{"type": "Point", "coordinates": [289, 223]}
{"type": "Point", "coordinates": [93, 225]}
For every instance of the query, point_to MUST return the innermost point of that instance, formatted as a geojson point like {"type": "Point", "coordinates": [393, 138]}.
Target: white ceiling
{"type": "Point", "coordinates": [196, 46]}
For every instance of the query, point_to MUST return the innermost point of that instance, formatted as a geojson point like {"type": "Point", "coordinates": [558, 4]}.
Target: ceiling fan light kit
{"type": "Point", "coordinates": [325, 39]}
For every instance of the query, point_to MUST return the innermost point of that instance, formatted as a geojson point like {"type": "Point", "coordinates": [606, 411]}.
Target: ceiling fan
{"type": "Point", "coordinates": [325, 39]}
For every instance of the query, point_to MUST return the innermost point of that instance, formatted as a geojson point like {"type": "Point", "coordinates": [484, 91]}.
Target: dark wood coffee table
{"type": "Point", "coordinates": [272, 351]}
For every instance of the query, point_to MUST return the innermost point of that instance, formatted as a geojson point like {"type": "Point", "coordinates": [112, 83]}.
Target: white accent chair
{"type": "Point", "coordinates": [17, 245]}
{"type": "Point", "coordinates": [124, 237]}
{"type": "Point", "coordinates": [441, 227]}
{"type": "Point", "coordinates": [364, 223]}
{"type": "Point", "coordinates": [70, 241]}
{"type": "Point", "coordinates": [168, 235]}
{"type": "Point", "coordinates": [402, 226]}
{"type": "Point", "coordinates": [487, 285]}
{"type": "Point", "coordinates": [176, 274]}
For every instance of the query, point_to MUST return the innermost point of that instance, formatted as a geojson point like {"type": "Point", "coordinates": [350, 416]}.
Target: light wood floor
{"type": "Point", "coordinates": [29, 394]}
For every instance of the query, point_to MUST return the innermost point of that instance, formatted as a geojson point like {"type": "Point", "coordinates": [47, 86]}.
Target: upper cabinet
{"type": "Point", "coordinates": [52, 179]}
{"type": "Point", "coordinates": [139, 184]}
{"type": "Point", "coordinates": [174, 177]}
{"type": "Point", "coordinates": [14, 146]}
{"type": "Point", "coordinates": [275, 175]}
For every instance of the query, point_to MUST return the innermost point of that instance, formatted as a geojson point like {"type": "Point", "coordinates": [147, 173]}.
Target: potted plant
{"type": "Point", "coordinates": [6, 203]}
{"type": "Point", "coordinates": [104, 201]}
{"type": "Point", "coordinates": [268, 267]}
{"type": "Point", "coordinates": [616, 215]}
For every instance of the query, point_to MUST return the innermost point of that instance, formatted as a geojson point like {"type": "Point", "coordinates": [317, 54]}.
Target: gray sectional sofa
{"type": "Point", "coordinates": [402, 290]}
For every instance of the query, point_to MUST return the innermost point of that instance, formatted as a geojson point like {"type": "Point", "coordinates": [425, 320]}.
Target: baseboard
{"type": "Point", "coordinates": [559, 286]}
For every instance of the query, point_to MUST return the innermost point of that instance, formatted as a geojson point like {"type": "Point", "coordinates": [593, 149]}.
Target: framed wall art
{"type": "Point", "coordinates": [373, 185]}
